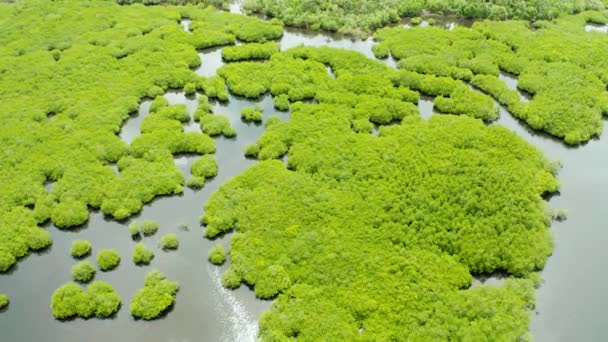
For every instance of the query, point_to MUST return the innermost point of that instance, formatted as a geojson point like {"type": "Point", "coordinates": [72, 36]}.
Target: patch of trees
{"type": "Point", "coordinates": [169, 242]}
{"type": "Point", "coordinates": [71, 76]}
{"type": "Point", "coordinates": [4, 301]}
{"type": "Point", "coordinates": [108, 259]}
{"type": "Point", "coordinates": [80, 248]}
{"type": "Point", "coordinates": [398, 222]}
{"type": "Point", "coordinates": [83, 271]}
{"type": "Point", "coordinates": [157, 295]}
{"type": "Point", "coordinates": [142, 255]}
{"type": "Point", "coordinates": [364, 16]}
{"type": "Point", "coordinates": [99, 300]}
{"type": "Point", "coordinates": [567, 86]}
{"type": "Point", "coordinates": [249, 51]}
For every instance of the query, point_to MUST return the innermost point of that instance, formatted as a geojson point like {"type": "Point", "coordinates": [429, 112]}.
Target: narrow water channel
{"type": "Point", "coordinates": [569, 302]}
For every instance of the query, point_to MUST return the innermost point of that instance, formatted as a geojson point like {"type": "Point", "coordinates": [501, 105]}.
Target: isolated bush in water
{"type": "Point", "coordinates": [157, 295]}
{"type": "Point", "coordinates": [70, 300]}
{"type": "Point", "coordinates": [142, 255]}
{"type": "Point", "coordinates": [83, 271]}
{"type": "Point", "coordinates": [4, 301]}
{"type": "Point", "coordinates": [80, 248]}
{"type": "Point", "coordinates": [108, 259]}
{"type": "Point", "coordinates": [251, 114]}
{"type": "Point", "coordinates": [169, 241]}
{"type": "Point", "coordinates": [252, 150]}
{"type": "Point", "coordinates": [134, 229]}
{"type": "Point", "coordinates": [149, 227]}
{"type": "Point", "coordinates": [217, 255]}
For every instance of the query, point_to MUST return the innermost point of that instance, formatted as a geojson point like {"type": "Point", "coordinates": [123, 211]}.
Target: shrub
{"type": "Point", "coordinates": [169, 241]}
{"type": "Point", "coordinates": [217, 255]}
{"type": "Point", "coordinates": [134, 229]}
{"type": "Point", "coordinates": [252, 150]}
{"type": "Point", "coordinates": [190, 88]}
{"type": "Point", "coordinates": [281, 102]}
{"type": "Point", "coordinates": [142, 255]}
{"type": "Point", "coordinates": [99, 300]}
{"type": "Point", "coordinates": [108, 259]}
{"type": "Point", "coordinates": [70, 214]}
{"type": "Point", "coordinates": [149, 227]}
{"type": "Point", "coordinates": [83, 271]}
{"type": "Point", "coordinates": [80, 248]}
{"type": "Point", "coordinates": [6, 260]}
{"type": "Point", "coordinates": [205, 166]}
{"type": "Point", "coordinates": [195, 182]}
{"type": "Point", "coordinates": [416, 21]}
{"type": "Point", "coordinates": [157, 295]}
{"type": "Point", "coordinates": [251, 114]}
{"type": "Point", "coordinates": [4, 301]}
{"type": "Point", "coordinates": [231, 279]}
{"type": "Point", "coordinates": [216, 124]}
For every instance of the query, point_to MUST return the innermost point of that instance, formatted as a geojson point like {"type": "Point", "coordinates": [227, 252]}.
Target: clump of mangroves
{"type": "Point", "coordinates": [398, 222]}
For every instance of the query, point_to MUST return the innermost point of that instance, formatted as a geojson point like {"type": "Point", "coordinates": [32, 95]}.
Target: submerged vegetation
{"type": "Point", "coordinates": [155, 297]}
{"type": "Point", "coordinates": [363, 16]}
{"type": "Point", "coordinates": [108, 259]}
{"type": "Point", "coordinates": [100, 300]}
{"type": "Point", "coordinates": [80, 248]}
{"type": "Point", "coordinates": [83, 271]}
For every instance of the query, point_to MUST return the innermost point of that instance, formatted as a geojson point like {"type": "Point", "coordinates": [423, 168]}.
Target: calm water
{"type": "Point", "coordinates": [569, 304]}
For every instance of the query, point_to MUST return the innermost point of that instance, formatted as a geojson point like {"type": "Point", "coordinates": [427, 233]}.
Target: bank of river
{"type": "Point", "coordinates": [569, 303]}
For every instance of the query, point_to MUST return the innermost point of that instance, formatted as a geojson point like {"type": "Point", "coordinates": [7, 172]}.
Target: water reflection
{"type": "Point", "coordinates": [596, 28]}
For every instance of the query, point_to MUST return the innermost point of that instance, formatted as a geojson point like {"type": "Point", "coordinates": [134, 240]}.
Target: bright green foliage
{"type": "Point", "coordinates": [142, 255]}
{"type": "Point", "coordinates": [100, 300]}
{"type": "Point", "coordinates": [108, 259]}
{"type": "Point", "coordinates": [134, 229]}
{"type": "Point", "coordinates": [217, 255]}
{"type": "Point", "coordinates": [80, 248]}
{"type": "Point", "coordinates": [83, 271]}
{"type": "Point", "coordinates": [281, 102]}
{"type": "Point", "coordinates": [231, 279]}
{"type": "Point", "coordinates": [217, 3]}
{"type": "Point", "coordinates": [568, 87]}
{"type": "Point", "coordinates": [363, 16]}
{"type": "Point", "coordinates": [252, 150]}
{"type": "Point", "coordinates": [4, 301]}
{"type": "Point", "coordinates": [190, 88]}
{"type": "Point", "coordinates": [363, 236]}
{"type": "Point", "coordinates": [370, 89]}
{"type": "Point", "coordinates": [249, 51]}
{"type": "Point", "coordinates": [71, 74]}
{"type": "Point", "coordinates": [216, 124]}
{"type": "Point", "coordinates": [203, 168]}
{"type": "Point", "coordinates": [251, 114]}
{"type": "Point", "coordinates": [155, 297]}
{"type": "Point", "coordinates": [149, 227]}
{"type": "Point", "coordinates": [169, 241]}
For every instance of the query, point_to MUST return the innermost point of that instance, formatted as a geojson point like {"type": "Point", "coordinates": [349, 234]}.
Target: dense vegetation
{"type": "Point", "coordinates": [399, 222]}
{"type": "Point", "coordinates": [108, 259]}
{"type": "Point", "coordinates": [99, 300]}
{"type": "Point", "coordinates": [554, 65]}
{"type": "Point", "coordinates": [217, 255]}
{"type": "Point", "coordinates": [149, 227]}
{"type": "Point", "coordinates": [249, 51]}
{"type": "Point", "coordinates": [202, 169]}
{"type": "Point", "coordinates": [157, 295]}
{"type": "Point", "coordinates": [83, 271]}
{"type": "Point", "coordinates": [169, 241]}
{"type": "Point", "coordinates": [363, 16]}
{"type": "Point", "coordinates": [142, 255]}
{"type": "Point", "coordinates": [4, 301]}
{"type": "Point", "coordinates": [71, 73]}
{"type": "Point", "coordinates": [80, 248]}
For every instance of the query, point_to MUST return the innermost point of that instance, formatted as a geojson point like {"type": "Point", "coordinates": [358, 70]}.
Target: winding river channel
{"type": "Point", "coordinates": [570, 302]}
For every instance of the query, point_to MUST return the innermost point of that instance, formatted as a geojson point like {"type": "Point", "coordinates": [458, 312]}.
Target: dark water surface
{"type": "Point", "coordinates": [570, 302]}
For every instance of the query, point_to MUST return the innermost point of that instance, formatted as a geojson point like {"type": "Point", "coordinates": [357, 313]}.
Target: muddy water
{"type": "Point", "coordinates": [569, 304]}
